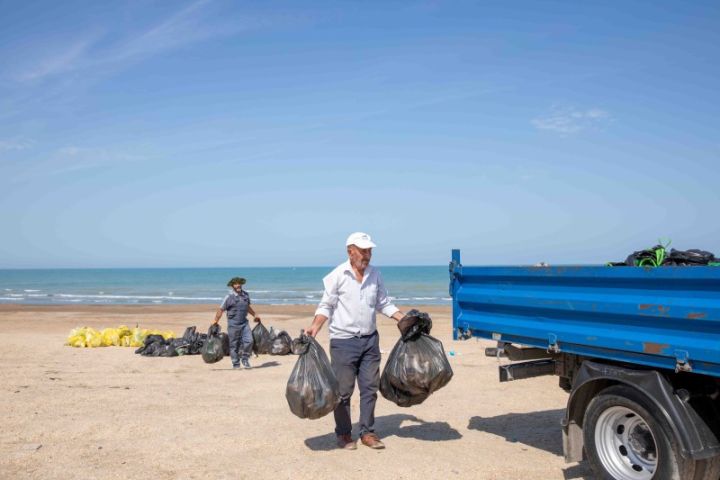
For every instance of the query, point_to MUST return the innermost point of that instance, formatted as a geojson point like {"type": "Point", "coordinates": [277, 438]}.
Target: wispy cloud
{"type": "Point", "coordinates": [73, 158]}
{"type": "Point", "coordinates": [14, 145]}
{"type": "Point", "coordinates": [190, 25]}
{"type": "Point", "coordinates": [61, 61]}
{"type": "Point", "coordinates": [185, 27]}
{"type": "Point", "coordinates": [570, 120]}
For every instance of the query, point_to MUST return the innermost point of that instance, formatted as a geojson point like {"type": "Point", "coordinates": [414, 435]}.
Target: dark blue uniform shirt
{"type": "Point", "coordinates": [236, 306]}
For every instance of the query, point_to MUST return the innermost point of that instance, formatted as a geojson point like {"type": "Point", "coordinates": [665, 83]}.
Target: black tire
{"type": "Point", "coordinates": [625, 439]}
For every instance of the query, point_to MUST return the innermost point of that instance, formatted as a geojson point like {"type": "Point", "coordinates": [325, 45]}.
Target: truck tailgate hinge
{"type": "Point", "coordinates": [552, 343]}
{"type": "Point", "coordinates": [682, 361]}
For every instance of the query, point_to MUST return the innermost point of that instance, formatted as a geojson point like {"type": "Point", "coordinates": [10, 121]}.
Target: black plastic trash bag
{"type": "Point", "coordinates": [167, 350]}
{"type": "Point", "coordinates": [281, 344]}
{"type": "Point", "coordinates": [225, 343]}
{"type": "Point", "coordinates": [182, 349]}
{"type": "Point", "coordinates": [212, 350]}
{"type": "Point", "coordinates": [262, 341]}
{"type": "Point", "coordinates": [153, 338]}
{"type": "Point", "coordinates": [190, 335]}
{"type": "Point", "coordinates": [157, 346]}
{"type": "Point", "coordinates": [193, 340]}
{"type": "Point", "coordinates": [417, 366]}
{"type": "Point", "coordinates": [658, 256]}
{"type": "Point", "coordinates": [312, 389]}
{"type": "Point", "coordinates": [690, 257]}
{"type": "Point", "coordinates": [197, 345]}
{"type": "Point", "coordinates": [152, 346]}
{"type": "Point", "coordinates": [150, 340]}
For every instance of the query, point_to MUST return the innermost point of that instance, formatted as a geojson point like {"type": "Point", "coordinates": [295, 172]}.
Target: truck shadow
{"type": "Point", "coordinates": [536, 429]}
{"type": "Point", "coordinates": [397, 425]}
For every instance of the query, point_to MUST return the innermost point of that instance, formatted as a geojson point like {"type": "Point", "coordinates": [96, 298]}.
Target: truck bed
{"type": "Point", "coordinates": [666, 317]}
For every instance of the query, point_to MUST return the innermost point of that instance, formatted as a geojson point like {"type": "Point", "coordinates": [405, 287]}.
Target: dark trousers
{"type": "Point", "coordinates": [241, 342]}
{"type": "Point", "coordinates": [352, 358]}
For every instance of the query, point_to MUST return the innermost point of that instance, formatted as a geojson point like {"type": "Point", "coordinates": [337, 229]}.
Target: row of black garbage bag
{"type": "Point", "coordinates": [215, 344]}
{"type": "Point", "coordinates": [660, 256]}
{"type": "Point", "coordinates": [416, 368]}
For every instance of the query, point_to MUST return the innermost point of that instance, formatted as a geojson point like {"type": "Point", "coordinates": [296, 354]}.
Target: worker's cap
{"type": "Point", "coordinates": [360, 240]}
{"type": "Point", "coordinates": [235, 280]}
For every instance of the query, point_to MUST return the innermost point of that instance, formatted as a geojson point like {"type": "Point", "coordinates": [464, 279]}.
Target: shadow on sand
{"type": "Point", "coordinates": [539, 430]}
{"type": "Point", "coordinates": [254, 367]}
{"type": "Point", "coordinates": [392, 425]}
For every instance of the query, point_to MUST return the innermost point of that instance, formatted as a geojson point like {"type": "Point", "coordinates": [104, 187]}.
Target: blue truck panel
{"type": "Point", "coordinates": [667, 317]}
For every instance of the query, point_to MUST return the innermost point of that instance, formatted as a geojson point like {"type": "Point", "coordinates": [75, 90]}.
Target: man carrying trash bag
{"type": "Point", "coordinates": [237, 306]}
{"type": "Point", "coordinates": [353, 292]}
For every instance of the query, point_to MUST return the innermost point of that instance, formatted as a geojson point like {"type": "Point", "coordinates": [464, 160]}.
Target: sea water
{"type": "Point", "coordinates": [148, 286]}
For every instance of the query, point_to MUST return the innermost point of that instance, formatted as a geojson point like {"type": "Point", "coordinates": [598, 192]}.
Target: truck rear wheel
{"type": "Point", "coordinates": [624, 440]}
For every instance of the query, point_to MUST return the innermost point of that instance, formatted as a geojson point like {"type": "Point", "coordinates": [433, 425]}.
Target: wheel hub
{"type": "Point", "coordinates": [625, 444]}
{"type": "Point", "coordinates": [642, 443]}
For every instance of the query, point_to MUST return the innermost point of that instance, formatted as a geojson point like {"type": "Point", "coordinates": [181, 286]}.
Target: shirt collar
{"type": "Point", "coordinates": [347, 268]}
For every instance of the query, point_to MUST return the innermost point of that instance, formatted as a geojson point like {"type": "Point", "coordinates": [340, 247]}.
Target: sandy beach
{"type": "Point", "coordinates": [107, 413]}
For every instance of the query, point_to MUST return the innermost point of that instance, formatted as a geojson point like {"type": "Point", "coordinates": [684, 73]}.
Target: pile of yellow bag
{"type": "Point", "coordinates": [118, 337]}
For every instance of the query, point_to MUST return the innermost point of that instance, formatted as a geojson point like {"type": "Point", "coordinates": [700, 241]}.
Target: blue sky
{"type": "Point", "coordinates": [221, 133]}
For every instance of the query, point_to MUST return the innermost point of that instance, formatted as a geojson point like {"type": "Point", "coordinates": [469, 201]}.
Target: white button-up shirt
{"type": "Point", "coordinates": [350, 305]}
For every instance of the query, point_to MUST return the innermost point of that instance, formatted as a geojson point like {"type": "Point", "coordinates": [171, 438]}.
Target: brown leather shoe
{"type": "Point", "coordinates": [373, 441]}
{"type": "Point", "coordinates": [346, 442]}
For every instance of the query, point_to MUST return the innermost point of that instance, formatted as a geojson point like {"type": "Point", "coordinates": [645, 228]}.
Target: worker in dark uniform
{"type": "Point", "coordinates": [237, 305]}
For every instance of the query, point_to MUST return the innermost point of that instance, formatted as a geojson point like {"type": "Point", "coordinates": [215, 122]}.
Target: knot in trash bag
{"type": "Point", "coordinates": [413, 324]}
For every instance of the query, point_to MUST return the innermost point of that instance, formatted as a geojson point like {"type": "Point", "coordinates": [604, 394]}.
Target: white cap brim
{"type": "Point", "coordinates": [363, 244]}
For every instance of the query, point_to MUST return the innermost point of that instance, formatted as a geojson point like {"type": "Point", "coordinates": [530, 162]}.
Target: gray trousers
{"type": "Point", "coordinates": [352, 358]}
{"type": "Point", "coordinates": [241, 342]}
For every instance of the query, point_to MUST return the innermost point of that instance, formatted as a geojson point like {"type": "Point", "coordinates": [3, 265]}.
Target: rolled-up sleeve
{"type": "Point", "coordinates": [329, 300]}
{"type": "Point", "coordinates": [384, 305]}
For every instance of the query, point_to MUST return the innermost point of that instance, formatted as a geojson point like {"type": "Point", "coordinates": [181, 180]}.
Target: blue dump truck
{"type": "Point", "coordinates": [637, 349]}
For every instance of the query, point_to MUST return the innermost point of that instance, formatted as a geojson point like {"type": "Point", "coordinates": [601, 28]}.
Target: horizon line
{"type": "Point", "coordinates": [191, 268]}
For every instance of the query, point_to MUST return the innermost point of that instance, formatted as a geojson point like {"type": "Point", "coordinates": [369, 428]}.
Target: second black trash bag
{"type": "Point", "coordinates": [312, 389]}
{"type": "Point", "coordinates": [281, 344]}
{"type": "Point", "coordinates": [212, 349]}
{"type": "Point", "coordinates": [416, 368]}
{"type": "Point", "coordinates": [262, 341]}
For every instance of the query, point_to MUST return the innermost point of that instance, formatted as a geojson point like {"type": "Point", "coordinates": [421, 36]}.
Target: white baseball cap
{"type": "Point", "coordinates": [360, 240]}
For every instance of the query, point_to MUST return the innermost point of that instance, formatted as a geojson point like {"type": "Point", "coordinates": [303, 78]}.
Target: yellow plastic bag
{"type": "Point", "coordinates": [138, 337]}
{"type": "Point", "coordinates": [122, 336]}
{"type": "Point", "coordinates": [110, 337]}
{"type": "Point", "coordinates": [124, 331]}
{"type": "Point", "coordinates": [77, 331]}
{"type": "Point", "coordinates": [77, 341]}
{"type": "Point", "coordinates": [93, 338]}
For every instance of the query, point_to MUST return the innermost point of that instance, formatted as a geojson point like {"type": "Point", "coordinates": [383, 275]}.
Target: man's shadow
{"type": "Point", "coordinates": [272, 363]}
{"type": "Point", "coordinates": [399, 425]}
{"type": "Point", "coordinates": [254, 367]}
